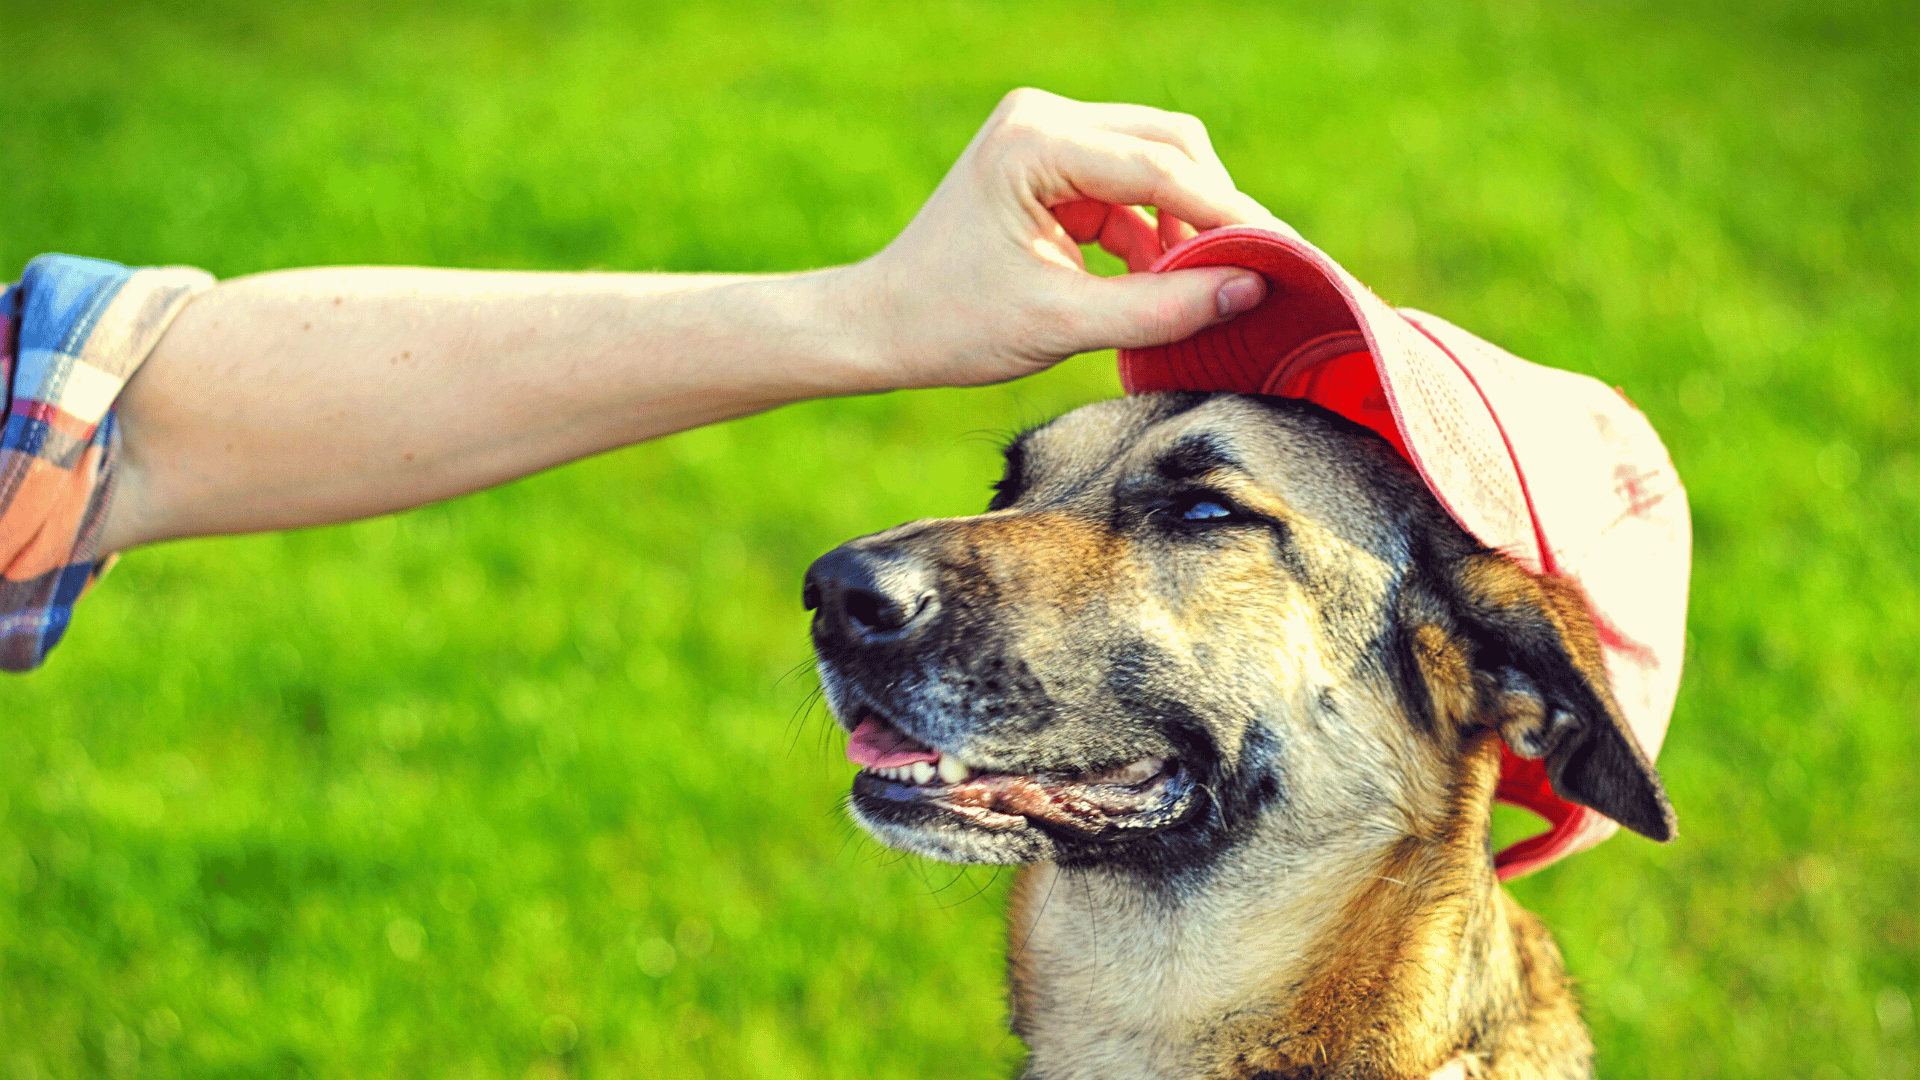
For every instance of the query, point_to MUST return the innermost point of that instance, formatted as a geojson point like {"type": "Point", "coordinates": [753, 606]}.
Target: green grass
{"type": "Point", "coordinates": [528, 784]}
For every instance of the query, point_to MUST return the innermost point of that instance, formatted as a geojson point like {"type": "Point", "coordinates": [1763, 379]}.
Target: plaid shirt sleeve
{"type": "Point", "coordinates": [72, 332]}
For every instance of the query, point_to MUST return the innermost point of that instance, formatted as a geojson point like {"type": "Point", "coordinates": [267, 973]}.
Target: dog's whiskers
{"type": "Point", "coordinates": [1093, 920]}
{"type": "Point", "coordinates": [802, 714]}
{"type": "Point", "coordinates": [1034, 926]}
{"type": "Point", "coordinates": [991, 880]}
{"type": "Point", "coordinates": [811, 662]}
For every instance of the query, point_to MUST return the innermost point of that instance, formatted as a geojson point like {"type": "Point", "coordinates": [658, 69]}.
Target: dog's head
{"type": "Point", "coordinates": [1185, 617]}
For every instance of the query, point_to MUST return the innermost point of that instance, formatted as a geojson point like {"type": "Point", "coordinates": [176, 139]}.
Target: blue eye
{"type": "Point", "coordinates": [1205, 510]}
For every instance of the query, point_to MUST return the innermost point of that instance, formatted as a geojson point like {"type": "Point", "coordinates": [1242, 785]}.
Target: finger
{"type": "Point", "coordinates": [1127, 171]}
{"type": "Point", "coordinates": [1130, 235]}
{"type": "Point", "coordinates": [1125, 232]}
{"type": "Point", "coordinates": [1067, 227]}
{"type": "Point", "coordinates": [1174, 232]}
{"type": "Point", "coordinates": [1178, 130]}
{"type": "Point", "coordinates": [1171, 235]}
{"type": "Point", "coordinates": [1041, 119]}
{"type": "Point", "coordinates": [1142, 310]}
{"type": "Point", "coordinates": [1188, 135]}
{"type": "Point", "coordinates": [1082, 218]}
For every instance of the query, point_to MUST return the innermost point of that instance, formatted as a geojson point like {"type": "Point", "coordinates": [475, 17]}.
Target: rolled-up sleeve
{"type": "Point", "coordinates": [72, 332]}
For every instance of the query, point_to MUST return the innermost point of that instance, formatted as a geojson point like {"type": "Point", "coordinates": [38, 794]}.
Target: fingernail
{"type": "Point", "coordinates": [1242, 292]}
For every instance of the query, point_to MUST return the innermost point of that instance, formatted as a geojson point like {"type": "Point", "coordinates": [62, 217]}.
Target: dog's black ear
{"type": "Point", "coordinates": [1540, 681]}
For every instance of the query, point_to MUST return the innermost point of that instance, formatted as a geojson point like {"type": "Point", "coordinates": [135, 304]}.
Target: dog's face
{"type": "Point", "coordinates": [1184, 618]}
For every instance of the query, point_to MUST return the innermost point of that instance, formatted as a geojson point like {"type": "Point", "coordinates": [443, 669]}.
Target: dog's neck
{"type": "Point", "coordinates": [1340, 958]}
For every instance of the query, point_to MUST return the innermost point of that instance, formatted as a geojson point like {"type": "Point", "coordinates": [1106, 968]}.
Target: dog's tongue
{"type": "Point", "coordinates": [877, 746]}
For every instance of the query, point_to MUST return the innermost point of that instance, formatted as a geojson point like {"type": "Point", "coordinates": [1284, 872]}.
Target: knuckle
{"type": "Point", "coordinates": [1190, 127]}
{"type": "Point", "coordinates": [1020, 116]}
{"type": "Point", "coordinates": [1023, 101]}
{"type": "Point", "coordinates": [1161, 160]}
{"type": "Point", "coordinates": [1007, 140]}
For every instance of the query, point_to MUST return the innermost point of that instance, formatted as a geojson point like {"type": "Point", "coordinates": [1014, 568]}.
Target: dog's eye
{"type": "Point", "coordinates": [1202, 510]}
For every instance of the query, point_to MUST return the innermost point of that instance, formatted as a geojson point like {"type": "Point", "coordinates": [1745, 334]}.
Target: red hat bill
{"type": "Point", "coordinates": [1555, 469]}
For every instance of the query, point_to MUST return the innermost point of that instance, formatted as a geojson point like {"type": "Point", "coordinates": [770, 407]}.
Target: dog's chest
{"type": "Point", "coordinates": [1111, 983]}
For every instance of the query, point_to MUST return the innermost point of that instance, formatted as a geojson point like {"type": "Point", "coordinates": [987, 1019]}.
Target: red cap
{"type": "Point", "coordinates": [1552, 468]}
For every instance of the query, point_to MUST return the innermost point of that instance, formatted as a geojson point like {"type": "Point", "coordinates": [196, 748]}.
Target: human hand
{"type": "Point", "coordinates": [987, 282]}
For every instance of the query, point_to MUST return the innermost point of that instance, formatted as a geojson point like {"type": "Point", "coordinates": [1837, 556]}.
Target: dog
{"type": "Point", "coordinates": [1232, 685]}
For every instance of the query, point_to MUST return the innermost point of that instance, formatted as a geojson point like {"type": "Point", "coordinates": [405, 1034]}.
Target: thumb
{"type": "Point", "coordinates": [1140, 310]}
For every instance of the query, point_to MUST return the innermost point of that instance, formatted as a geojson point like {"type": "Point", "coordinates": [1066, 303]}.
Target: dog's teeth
{"type": "Point", "coordinates": [922, 772]}
{"type": "Point", "coordinates": [1127, 775]}
{"type": "Point", "coordinates": [952, 770]}
{"type": "Point", "coordinates": [1144, 769]}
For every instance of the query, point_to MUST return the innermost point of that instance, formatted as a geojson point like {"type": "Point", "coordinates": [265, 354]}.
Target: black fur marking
{"type": "Point", "coordinates": [1006, 490]}
{"type": "Point", "coordinates": [1288, 553]}
{"type": "Point", "coordinates": [1328, 704]}
{"type": "Point", "coordinates": [1234, 796]}
{"type": "Point", "coordinates": [1132, 668]}
{"type": "Point", "coordinates": [1020, 472]}
{"type": "Point", "coordinates": [1195, 455]}
{"type": "Point", "coordinates": [1175, 402]}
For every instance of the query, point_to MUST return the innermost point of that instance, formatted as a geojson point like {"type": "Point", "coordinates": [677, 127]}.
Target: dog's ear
{"type": "Point", "coordinates": [1540, 681]}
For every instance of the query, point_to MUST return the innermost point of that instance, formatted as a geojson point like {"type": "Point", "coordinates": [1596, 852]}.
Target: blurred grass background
{"type": "Point", "coordinates": [527, 784]}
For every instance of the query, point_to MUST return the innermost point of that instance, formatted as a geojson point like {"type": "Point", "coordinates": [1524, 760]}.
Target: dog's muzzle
{"type": "Point", "coordinates": [932, 780]}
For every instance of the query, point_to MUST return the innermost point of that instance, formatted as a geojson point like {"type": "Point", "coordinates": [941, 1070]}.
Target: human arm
{"type": "Point", "coordinates": [309, 396]}
{"type": "Point", "coordinates": [302, 397]}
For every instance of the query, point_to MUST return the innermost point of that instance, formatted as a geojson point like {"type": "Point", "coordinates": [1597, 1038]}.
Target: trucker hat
{"type": "Point", "coordinates": [1552, 468]}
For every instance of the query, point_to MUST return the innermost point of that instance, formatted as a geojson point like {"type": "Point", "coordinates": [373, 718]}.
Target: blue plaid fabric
{"type": "Point", "coordinates": [72, 331]}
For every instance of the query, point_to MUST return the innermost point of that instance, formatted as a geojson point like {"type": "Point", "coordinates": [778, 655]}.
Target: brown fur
{"type": "Point", "coordinates": [1429, 948]}
{"type": "Point", "coordinates": [1329, 669]}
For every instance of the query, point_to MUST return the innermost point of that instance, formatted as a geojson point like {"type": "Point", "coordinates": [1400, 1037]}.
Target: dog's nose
{"type": "Point", "coordinates": [869, 595]}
